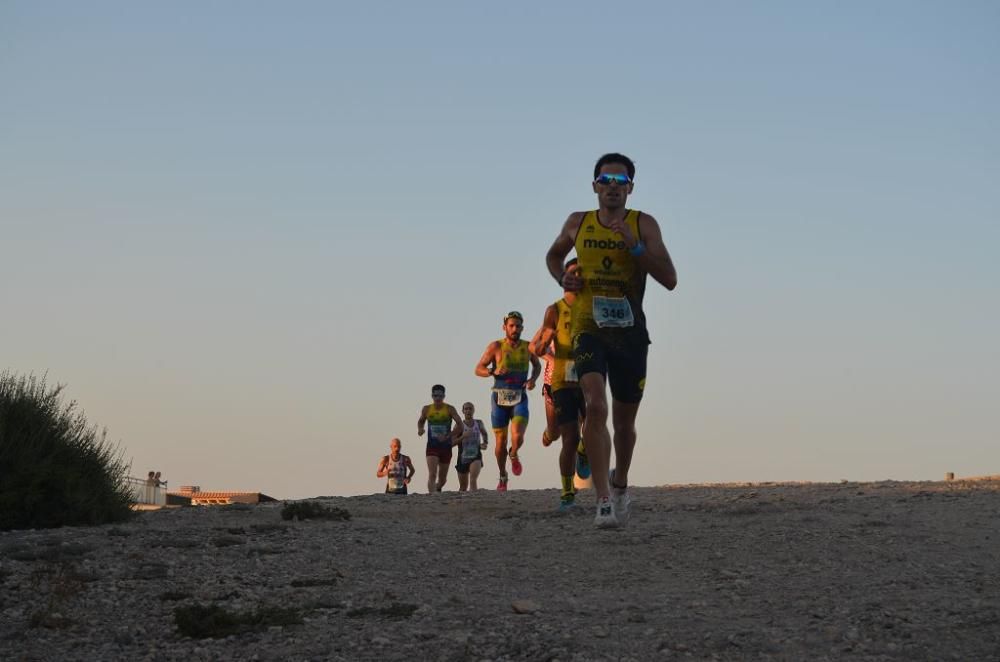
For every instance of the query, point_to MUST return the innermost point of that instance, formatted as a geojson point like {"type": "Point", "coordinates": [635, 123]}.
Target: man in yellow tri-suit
{"type": "Point", "coordinates": [507, 361]}
{"type": "Point", "coordinates": [555, 335]}
{"type": "Point", "coordinates": [616, 248]}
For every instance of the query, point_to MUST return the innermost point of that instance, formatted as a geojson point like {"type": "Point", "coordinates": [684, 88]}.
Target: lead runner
{"type": "Point", "coordinates": [616, 248]}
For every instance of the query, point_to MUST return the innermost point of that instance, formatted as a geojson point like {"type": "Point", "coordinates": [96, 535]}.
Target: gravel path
{"type": "Point", "coordinates": [870, 571]}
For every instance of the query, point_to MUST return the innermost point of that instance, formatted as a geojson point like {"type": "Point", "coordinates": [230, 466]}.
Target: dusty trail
{"type": "Point", "coordinates": [872, 571]}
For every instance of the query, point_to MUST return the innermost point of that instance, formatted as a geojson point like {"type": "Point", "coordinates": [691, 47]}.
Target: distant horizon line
{"type": "Point", "coordinates": [753, 483]}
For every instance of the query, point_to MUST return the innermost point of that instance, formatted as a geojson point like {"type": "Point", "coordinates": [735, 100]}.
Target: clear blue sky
{"type": "Point", "coordinates": [250, 236]}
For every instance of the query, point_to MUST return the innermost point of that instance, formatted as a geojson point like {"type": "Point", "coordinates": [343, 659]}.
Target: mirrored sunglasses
{"type": "Point", "coordinates": [607, 180]}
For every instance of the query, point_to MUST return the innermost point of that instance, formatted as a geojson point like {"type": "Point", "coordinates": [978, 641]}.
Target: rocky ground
{"type": "Point", "coordinates": [874, 571]}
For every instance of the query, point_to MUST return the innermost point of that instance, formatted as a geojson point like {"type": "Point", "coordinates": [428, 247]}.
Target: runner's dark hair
{"type": "Point", "coordinates": [615, 157]}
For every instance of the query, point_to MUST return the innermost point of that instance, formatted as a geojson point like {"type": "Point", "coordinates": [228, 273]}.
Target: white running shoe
{"type": "Point", "coordinates": [605, 518]}
{"type": "Point", "coordinates": [620, 501]}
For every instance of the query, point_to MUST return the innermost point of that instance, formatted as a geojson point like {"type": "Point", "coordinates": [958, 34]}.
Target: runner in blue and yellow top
{"type": "Point", "coordinates": [440, 437]}
{"type": "Point", "coordinates": [507, 361]}
{"type": "Point", "coordinates": [617, 248]}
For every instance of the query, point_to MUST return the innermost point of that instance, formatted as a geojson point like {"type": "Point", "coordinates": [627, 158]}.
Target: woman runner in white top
{"type": "Point", "coordinates": [470, 450]}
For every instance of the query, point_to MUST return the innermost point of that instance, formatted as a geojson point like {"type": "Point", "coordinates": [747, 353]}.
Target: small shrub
{"type": "Point", "coordinates": [55, 468]}
{"type": "Point", "coordinates": [60, 583]}
{"type": "Point", "coordinates": [209, 621]}
{"type": "Point", "coordinates": [302, 510]}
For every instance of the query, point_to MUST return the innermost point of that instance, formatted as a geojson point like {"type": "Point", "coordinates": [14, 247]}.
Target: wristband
{"type": "Point", "coordinates": [638, 249]}
{"type": "Point", "coordinates": [560, 279]}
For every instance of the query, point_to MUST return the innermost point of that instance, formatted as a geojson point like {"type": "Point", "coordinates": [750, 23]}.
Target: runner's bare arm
{"type": "Point", "coordinates": [482, 432]}
{"type": "Point", "coordinates": [548, 357]}
{"type": "Point", "coordinates": [383, 468]}
{"type": "Point", "coordinates": [489, 356]}
{"type": "Point", "coordinates": [656, 259]}
{"type": "Point", "coordinates": [560, 249]}
{"type": "Point", "coordinates": [410, 470]}
{"type": "Point", "coordinates": [458, 431]}
{"type": "Point", "coordinates": [539, 345]}
{"type": "Point", "coordinates": [421, 421]}
{"type": "Point", "coordinates": [536, 369]}
{"type": "Point", "coordinates": [534, 342]}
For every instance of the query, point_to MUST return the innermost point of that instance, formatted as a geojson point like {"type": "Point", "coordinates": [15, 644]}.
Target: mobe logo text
{"type": "Point", "coordinates": [604, 243]}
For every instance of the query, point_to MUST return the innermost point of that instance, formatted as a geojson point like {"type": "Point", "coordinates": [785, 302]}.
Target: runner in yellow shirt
{"type": "Point", "coordinates": [440, 437]}
{"type": "Point", "coordinates": [617, 248]}
{"type": "Point", "coordinates": [554, 337]}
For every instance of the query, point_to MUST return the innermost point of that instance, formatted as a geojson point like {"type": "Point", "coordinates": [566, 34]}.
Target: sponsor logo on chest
{"type": "Point", "coordinates": [605, 244]}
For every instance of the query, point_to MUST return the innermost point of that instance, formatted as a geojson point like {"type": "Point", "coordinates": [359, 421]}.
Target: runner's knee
{"type": "Point", "coordinates": [625, 431]}
{"type": "Point", "coordinates": [597, 411]}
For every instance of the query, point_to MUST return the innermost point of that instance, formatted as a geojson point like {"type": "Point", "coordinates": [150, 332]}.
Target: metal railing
{"type": "Point", "coordinates": [146, 493]}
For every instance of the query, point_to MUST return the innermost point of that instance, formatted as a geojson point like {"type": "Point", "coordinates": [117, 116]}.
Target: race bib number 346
{"type": "Point", "coordinates": [612, 312]}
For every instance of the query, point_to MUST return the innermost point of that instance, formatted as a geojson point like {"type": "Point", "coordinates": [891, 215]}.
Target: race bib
{"type": "Point", "coordinates": [571, 372]}
{"type": "Point", "coordinates": [397, 473]}
{"type": "Point", "coordinates": [470, 450]}
{"type": "Point", "coordinates": [507, 397]}
{"type": "Point", "coordinates": [612, 312]}
{"type": "Point", "coordinates": [440, 431]}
